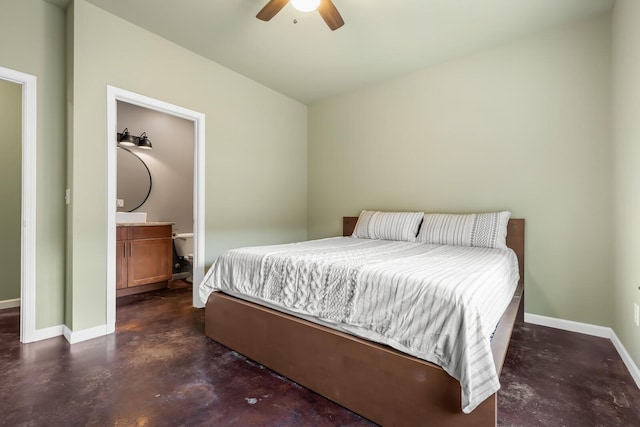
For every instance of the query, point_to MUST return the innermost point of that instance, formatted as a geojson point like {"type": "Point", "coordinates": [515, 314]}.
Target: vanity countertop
{"type": "Point", "coordinates": [143, 224]}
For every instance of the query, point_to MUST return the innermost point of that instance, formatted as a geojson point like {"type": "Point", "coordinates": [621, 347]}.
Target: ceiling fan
{"type": "Point", "coordinates": [325, 8]}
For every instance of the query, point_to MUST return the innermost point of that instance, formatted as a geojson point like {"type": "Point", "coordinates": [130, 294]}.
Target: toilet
{"type": "Point", "coordinates": [183, 256]}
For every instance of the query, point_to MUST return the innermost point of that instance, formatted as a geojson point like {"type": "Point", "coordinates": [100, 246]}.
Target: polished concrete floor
{"type": "Point", "coordinates": [159, 369]}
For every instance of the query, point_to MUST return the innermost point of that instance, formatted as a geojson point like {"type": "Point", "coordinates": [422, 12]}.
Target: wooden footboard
{"type": "Point", "coordinates": [373, 380]}
{"type": "Point", "coordinates": [381, 384]}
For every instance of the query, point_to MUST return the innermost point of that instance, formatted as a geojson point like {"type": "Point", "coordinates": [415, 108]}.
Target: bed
{"type": "Point", "coordinates": [373, 379]}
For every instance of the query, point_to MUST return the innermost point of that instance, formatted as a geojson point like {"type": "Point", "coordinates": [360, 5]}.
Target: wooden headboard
{"type": "Point", "coordinates": [515, 237]}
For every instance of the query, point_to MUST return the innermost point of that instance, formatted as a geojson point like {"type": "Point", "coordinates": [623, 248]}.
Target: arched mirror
{"type": "Point", "coordinates": [134, 180]}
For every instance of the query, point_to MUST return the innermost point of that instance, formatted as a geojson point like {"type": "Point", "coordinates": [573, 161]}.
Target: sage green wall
{"type": "Point", "coordinates": [32, 42]}
{"type": "Point", "coordinates": [524, 126]}
{"type": "Point", "coordinates": [626, 131]}
{"type": "Point", "coordinates": [69, 18]}
{"type": "Point", "coordinates": [10, 191]}
{"type": "Point", "coordinates": [256, 147]}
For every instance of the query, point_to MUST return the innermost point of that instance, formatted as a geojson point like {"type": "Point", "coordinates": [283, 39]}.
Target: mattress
{"type": "Point", "coordinates": [439, 303]}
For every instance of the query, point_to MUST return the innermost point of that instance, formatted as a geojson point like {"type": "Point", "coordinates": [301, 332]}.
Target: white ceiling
{"type": "Point", "coordinates": [380, 39]}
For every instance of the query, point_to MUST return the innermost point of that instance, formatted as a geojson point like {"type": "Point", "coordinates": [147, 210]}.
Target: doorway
{"type": "Point", "coordinates": [28, 201]}
{"type": "Point", "coordinates": [10, 193]}
{"type": "Point", "coordinates": [156, 180]}
{"type": "Point", "coordinates": [113, 96]}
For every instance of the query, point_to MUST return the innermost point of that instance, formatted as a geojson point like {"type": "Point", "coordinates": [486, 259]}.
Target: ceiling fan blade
{"type": "Point", "coordinates": [330, 14]}
{"type": "Point", "coordinates": [271, 9]}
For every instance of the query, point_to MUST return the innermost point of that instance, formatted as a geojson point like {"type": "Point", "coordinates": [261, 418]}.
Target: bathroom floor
{"type": "Point", "coordinates": [178, 284]}
{"type": "Point", "coordinates": [159, 369]}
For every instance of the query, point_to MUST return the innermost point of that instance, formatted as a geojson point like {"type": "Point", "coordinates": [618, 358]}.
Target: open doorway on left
{"type": "Point", "coordinates": [18, 105]}
{"type": "Point", "coordinates": [11, 196]}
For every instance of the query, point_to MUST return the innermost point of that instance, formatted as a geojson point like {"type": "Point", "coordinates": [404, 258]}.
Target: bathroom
{"type": "Point", "coordinates": [155, 176]}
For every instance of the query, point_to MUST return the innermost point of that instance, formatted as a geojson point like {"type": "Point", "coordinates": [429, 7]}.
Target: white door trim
{"type": "Point", "coordinates": [28, 216]}
{"type": "Point", "coordinates": [115, 94]}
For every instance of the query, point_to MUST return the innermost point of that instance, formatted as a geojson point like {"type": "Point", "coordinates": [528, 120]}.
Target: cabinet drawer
{"type": "Point", "coordinates": [149, 232]}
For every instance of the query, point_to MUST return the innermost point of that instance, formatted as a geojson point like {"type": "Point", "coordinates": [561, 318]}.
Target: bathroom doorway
{"type": "Point", "coordinates": [156, 181]}
{"type": "Point", "coordinates": [116, 97]}
{"type": "Point", "coordinates": [20, 89]}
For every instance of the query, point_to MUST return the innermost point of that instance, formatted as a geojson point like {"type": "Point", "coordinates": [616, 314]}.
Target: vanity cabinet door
{"type": "Point", "coordinates": [149, 261]}
{"type": "Point", "coordinates": [144, 257]}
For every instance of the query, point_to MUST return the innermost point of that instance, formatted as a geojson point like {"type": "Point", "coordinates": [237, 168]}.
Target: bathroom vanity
{"type": "Point", "coordinates": [144, 257]}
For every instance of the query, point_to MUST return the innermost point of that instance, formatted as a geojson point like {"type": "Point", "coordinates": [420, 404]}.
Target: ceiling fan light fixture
{"type": "Point", "coordinates": [325, 8]}
{"type": "Point", "coordinates": [305, 5]}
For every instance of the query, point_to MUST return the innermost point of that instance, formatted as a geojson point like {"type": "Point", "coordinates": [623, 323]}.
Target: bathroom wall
{"type": "Point", "coordinates": [170, 162]}
{"type": "Point", "coordinates": [10, 191]}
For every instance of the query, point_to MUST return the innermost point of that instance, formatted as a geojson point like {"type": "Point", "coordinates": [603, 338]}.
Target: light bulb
{"type": "Point", "coordinates": [305, 5]}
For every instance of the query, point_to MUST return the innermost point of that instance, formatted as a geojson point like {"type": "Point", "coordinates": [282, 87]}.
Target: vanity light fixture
{"type": "Point", "coordinates": [144, 142]}
{"type": "Point", "coordinates": [128, 140]}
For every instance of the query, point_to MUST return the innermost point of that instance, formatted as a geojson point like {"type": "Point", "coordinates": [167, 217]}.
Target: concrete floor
{"type": "Point", "coordinates": [159, 369]}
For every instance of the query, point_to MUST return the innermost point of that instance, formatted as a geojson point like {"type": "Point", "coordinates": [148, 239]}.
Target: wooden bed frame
{"type": "Point", "coordinates": [384, 385]}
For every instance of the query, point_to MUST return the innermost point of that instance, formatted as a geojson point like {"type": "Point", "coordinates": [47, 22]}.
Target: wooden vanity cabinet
{"type": "Point", "coordinates": [143, 258]}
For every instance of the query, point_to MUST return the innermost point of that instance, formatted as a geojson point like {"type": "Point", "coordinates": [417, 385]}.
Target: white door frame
{"type": "Point", "coordinates": [115, 94]}
{"type": "Point", "coordinates": [28, 215]}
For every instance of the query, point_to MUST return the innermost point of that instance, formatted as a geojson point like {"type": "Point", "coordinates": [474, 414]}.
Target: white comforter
{"type": "Point", "coordinates": [436, 302]}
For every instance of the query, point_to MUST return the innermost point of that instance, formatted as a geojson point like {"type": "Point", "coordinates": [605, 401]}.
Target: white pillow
{"type": "Point", "coordinates": [388, 225]}
{"type": "Point", "coordinates": [487, 230]}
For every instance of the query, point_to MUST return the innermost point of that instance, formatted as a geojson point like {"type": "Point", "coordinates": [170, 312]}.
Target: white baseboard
{"type": "Point", "coordinates": [46, 333]}
{"type": "Point", "coordinates": [10, 303]}
{"type": "Point", "coordinates": [588, 329]}
{"type": "Point", "coordinates": [71, 336]}
{"type": "Point", "coordinates": [84, 334]}
{"type": "Point", "coordinates": [626, 358]}
{"type": "Point", "coordinates": [568, 325]}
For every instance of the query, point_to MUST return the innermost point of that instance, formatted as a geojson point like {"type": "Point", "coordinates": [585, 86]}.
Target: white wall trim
{"type": "Point", "coordinates": [112, 134]}
{"type": "Point", "coordinates": [85, 334]}
{"type": "Point", "coordinates": [568, 325]}
{"type": "Point", "coordinates": [631, 366]}
{"type": "Point", "coordinates": [115, 94]}
{"type": "Point", "coordinates": [198, 205]}
{"type": "Point", "coordinates": [9, 303]}
{"type": "Point", "coordinates": [28, 234]}
{"type": "Point", "coordinates": [588, 329]}
{"type": "Point", "coordinates": [46, 333]}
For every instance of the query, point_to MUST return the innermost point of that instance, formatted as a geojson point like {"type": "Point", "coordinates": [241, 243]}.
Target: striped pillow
{"type": "Point", "coordinates": [487, 230]}
{"type": "Point", "coordinates": [388, 225]}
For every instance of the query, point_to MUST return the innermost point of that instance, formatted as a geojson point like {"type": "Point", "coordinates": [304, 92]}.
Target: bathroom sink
{"type": "Point", "coordinates": [130, 217]}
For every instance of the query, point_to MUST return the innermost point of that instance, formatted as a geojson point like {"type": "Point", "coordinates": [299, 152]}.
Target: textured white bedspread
{"type": "Point", "coordinates": [436, 302]}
